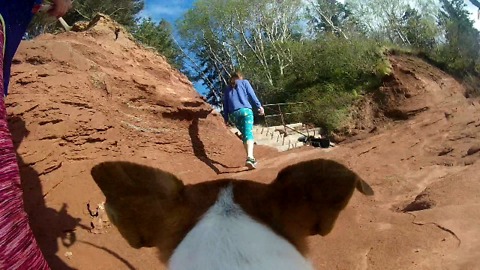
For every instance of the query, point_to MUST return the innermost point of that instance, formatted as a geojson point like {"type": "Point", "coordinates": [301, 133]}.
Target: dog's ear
{"type": "Point", "coordinates": [139, 199]}
{"type": "Point", "coordinates": [319, 189]}
{"type": "Point", "coordinates": [363, 187]}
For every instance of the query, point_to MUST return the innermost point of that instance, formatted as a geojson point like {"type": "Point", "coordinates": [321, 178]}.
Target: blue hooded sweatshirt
{"type": "Point", "coordinates": [238, 97]}
{"type": "Point", "coordinates": [16, 14]}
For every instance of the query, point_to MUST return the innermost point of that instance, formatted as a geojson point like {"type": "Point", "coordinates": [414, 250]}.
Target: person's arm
{"type": "Point", "coordinates": [60, 8]}
{"type": "Point", "coordinates": [253, 96]}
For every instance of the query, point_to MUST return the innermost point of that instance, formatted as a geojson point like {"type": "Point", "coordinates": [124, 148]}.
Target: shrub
{"type": "Point", "coordinates": [329, 75]}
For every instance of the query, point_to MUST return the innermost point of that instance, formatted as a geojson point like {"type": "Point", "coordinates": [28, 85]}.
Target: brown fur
{"type": "Point", "coordinates": [153, 208]}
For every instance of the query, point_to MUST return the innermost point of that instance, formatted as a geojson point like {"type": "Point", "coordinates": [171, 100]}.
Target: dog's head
{"type": "Point", "coordinates": [151, 207]}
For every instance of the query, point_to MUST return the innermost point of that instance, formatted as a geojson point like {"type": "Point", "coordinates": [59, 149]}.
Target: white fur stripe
{"type": "Point", "coordinates": [227, 238]}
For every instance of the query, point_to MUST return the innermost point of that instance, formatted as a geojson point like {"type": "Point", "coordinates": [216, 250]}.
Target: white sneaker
{"type": "Point", "coordinates": [251, 163]}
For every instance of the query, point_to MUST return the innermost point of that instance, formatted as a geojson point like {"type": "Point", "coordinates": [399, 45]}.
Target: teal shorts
{"type": "Point", "coordinates": [243, 120]}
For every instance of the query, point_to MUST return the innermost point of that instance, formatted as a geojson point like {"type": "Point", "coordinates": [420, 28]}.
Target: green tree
{"type": "Point", "coordinates": [461, 49]}
{"type": "Point", "coordinates": [329, 74]}
{"type": "Point", "coordinates": [159, 36]}
{"type": "Point", "coordinates": [385, 19]}
{"type": "Point", "coordinates": [327, 16]}
{"type": "Point", "coordinates": [421, 31]}
{"type": "Point", "coordinates": [239, 34]}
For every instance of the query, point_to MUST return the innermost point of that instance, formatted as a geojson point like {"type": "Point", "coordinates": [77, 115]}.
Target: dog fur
{"type": "Point", "coordinates": [228, 223]}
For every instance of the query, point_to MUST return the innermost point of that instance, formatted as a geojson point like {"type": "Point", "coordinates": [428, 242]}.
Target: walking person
{"type": "Point", "coordinates": [18, 248]}
{"type": "Point", "coordinates": [237, 107]}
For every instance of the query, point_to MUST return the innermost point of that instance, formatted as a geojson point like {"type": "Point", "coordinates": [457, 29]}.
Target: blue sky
{"type": "Point", "coordinates": [168, 10]}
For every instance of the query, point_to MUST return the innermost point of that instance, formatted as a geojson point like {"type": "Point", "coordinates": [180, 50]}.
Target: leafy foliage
{"type": "Point", "coordinates": [329, 17]}
{"type": "Point", "coordinates": [329, 74]}
{"type": "Point", "coordinates": [159, 36]}
{"type": "Point", "coordinates": [224, 36]}
{"type": "Point", "coordinates": [461, 50]}
{"type": "Point", "coordinates": [420, 31]}
{"type": "Point", "coordinates": [328, 106]}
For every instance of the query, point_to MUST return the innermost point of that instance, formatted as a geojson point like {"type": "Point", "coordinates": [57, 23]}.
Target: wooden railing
{"type": "Point", "coordinates": [275, 111]}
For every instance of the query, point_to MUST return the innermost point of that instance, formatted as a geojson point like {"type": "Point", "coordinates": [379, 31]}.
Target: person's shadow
{"type": "Point", "coordinates": [47, 224]}
{"type": "Point", "coordinates": [198, 146]}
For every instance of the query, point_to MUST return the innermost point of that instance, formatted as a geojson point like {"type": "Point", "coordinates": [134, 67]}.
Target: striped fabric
{"type": "Point", "coordinates": [18, 248]}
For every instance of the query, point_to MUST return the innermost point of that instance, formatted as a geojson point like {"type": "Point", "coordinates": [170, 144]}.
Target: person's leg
{"type": "Point", "coordinates": [245, 117]}
{"type": "Point", "coordinates": [240, 124]}
{"type": "Point", "coordinates": [238, 117]}
{"type": "Point", "coordinates": [251, 161]}
{"type": "Point", "coordinates": [248, 122]}
{"type": "Point", "coordinates": [250, 145]}
{"type": "Point", "coordinates": [18, 248]}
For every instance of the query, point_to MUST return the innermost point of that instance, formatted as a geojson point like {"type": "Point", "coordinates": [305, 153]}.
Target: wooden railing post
{"type": "Point", "coordinates": [282, 119]}
{"type": "Point", "coordinates": [276, 109]}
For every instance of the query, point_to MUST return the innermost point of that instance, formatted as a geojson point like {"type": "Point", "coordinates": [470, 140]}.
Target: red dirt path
{"type": "Point", "coordinates": [81, 98]}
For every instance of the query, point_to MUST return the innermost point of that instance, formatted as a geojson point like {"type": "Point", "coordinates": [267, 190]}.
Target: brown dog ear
{"type": "Point", "coordinates": [139, 199]}
{"type": "Point", "coordinates": [328, 173]}
{"type": "Point", "coordinates": [364, 188]}
{"type": "Point", "coordinates": [319, 189]}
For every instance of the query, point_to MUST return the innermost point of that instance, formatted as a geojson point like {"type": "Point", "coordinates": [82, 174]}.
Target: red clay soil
{"type": "Point", "coordinates": [81, 98]}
